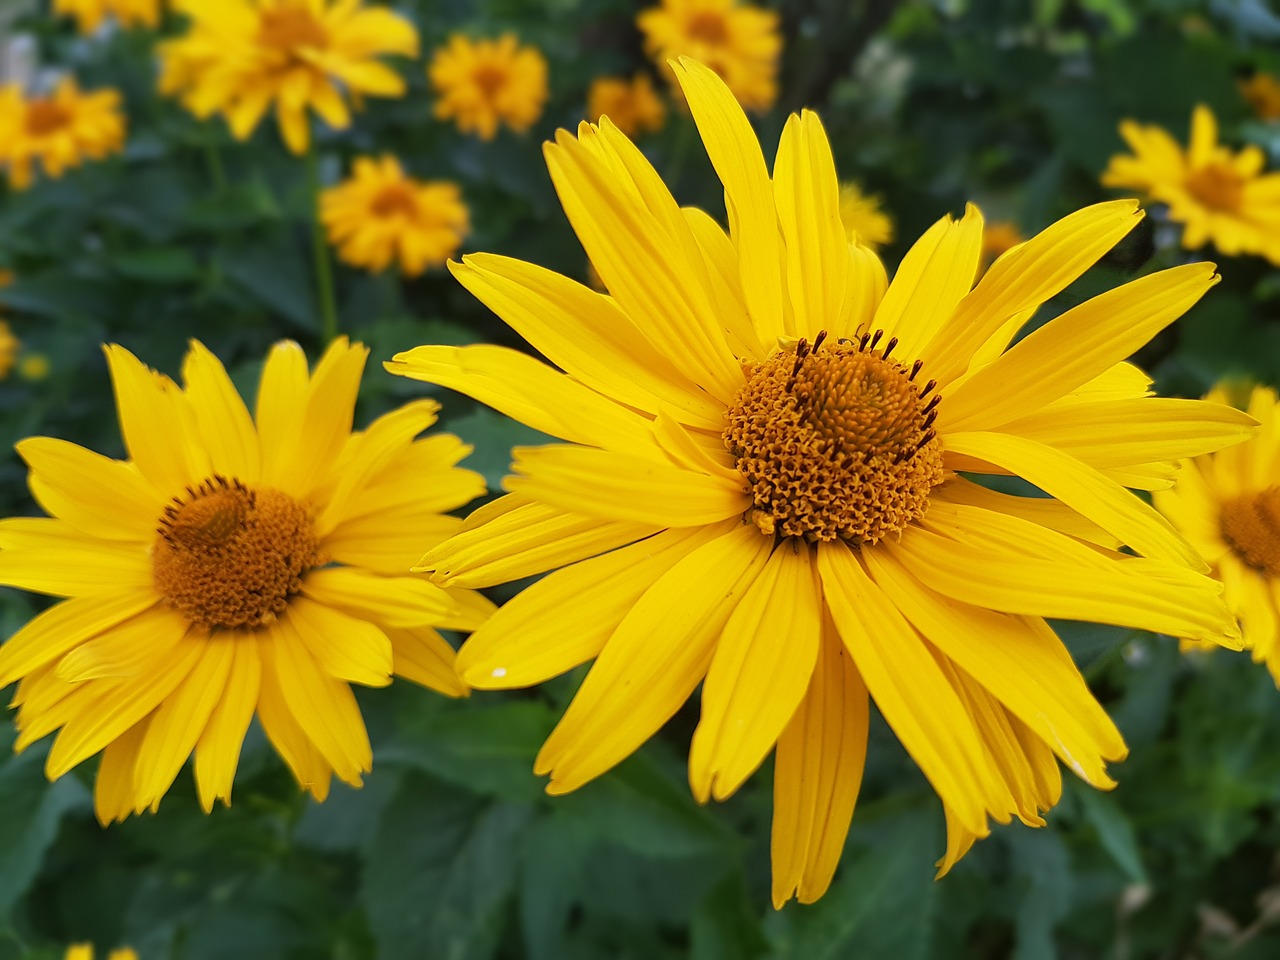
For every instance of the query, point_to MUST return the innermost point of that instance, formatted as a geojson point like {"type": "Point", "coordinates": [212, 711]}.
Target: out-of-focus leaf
{"type": "Point", "coordinates": [1043, 873]}
{"type": "Point", "coordinates": [1115, 832]}
{"type": "Point", "coordinates": [158, 265]}
{"type": "Point", "coordinates": [726, 925]}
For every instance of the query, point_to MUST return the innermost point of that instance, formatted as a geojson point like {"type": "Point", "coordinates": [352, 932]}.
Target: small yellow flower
{"type": "Point", "coordinates": [61, 130]}
{"type": "Point", "coordinates": [84, 951]}
{"type": "Point", "coordinates": [232, 566]}
{"type": "Point", "coordinates": [380, 215]}
{"type": "Point", "coordinates": [90, 14]}
{"type": "Point", "coordinates": [633, 105]}
{"type": "Point", "coordinates": [999, 237]}
{"type": "Point", "coordinates": [1227, 504]}
{"type": "Point", "coordinates": [1217, 195]}
{"type": "Point", "coordinates": [33, 366]}
{"type": "Point", "coordinates": [483, 84]}
{"type": "Point", "coordinates": [1262, 90]}
{"type": "Point", "coordinates": [863, 217]}
{"type": "Point", "coordinates": [738, 41]}
{"type": "Point", "coordinates": [9, 347]}
{"type": "Point", "coordinates": [240, 57]}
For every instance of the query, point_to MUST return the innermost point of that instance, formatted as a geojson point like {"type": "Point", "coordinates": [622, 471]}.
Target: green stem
{"type": "Point", "coordinates": [320, 253]}
{"type": "Point", "coordinates": [214, 160]}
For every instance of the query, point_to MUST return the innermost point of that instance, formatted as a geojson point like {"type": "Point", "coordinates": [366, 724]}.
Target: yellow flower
{"type": "Point", "coordinates": [380, 215]}
{"type": "Point", "coordinates": [997, 239]}
{"type": "Point", "coordinates": [740, 42]}
{"type": "Point", "coordinates": [228, 569]}
{"type": "Point", "coordinates": [89, 14]}
{"type": "Point", "coordinates": [242, 56]}
{"type": "Point", "coordinates": [864, 220]}
{"type": "Point", "coordinates": [33, 366]}
{"type": "Point", "coordinates": [9, 347]}
{"type": "Point", "coordinates": [1219, 196]}
{"type": "Point", "coordinates": [84, 951]}
{"type": "Point", "coordinates": [1262, 91]}
{"type": "Point", "coordinates": [1228, 505]}
{"type": "Point", "coordinates": [760, 487]}
{"type": "Point", "coordinates": [633, 105]}
{"type": "Point", "coordinates": [483, 84]}
{"type": "Point", "coordinates": [61, 130]}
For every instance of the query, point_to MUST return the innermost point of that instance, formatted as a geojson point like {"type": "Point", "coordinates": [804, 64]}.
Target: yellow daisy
{"type": "Point", "coordinates": [230, 568]}
{"type": "Point", "coordinates": [997, 239]}
{"type": "Point", "coordinates": [89, 14]}
{"type": "Point", "coordinates": [84, 951]}
{"type": "Point", "coordinates": [380, 215]}
{"type": "Point", "coordinates": [864, 218]}
{"type": "Point", "coordinates": [738, 41]}
{"type": "Point", "coordinates": [241, 57]}
{"type": "Point", "coordinates": [1262, 91]}
{"type": "Point", "coordinates": [760, 487]}
{"type": "Point", "coordinates": [1217, 195]}
{"type": "Point", "coordinates": [1228, 505]}
{"type": "Point", "coordinates": [482, 84]}
{"type": "Point", "coordinates": [60, 131]}
{"type": "Point", "coordinates": [633, 105]}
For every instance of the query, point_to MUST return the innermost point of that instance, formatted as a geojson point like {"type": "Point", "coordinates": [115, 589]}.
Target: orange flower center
{"type": "Point", "coordinates": [394, 198]}
{"type": "Point", "coordinates": [228, 556]}
{"type": "Point", "coordinates": [835, 441]}
{"type": "Point", "coordinates": [290, 29]}
{"type": "Point", "coordinates": [1251, 526]}
{"type": "Point", "coordinates": [708, 27]}
{"type": "Point", "coordinates": [489, 79]}
{"type": "Point", "coordinates": [46, 116]}
{"type": "Point", "coordinates": [1217, 186]}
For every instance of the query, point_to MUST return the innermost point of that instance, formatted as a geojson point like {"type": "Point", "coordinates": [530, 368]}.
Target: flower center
{"type": "Point", "coordinates": [229, 556]}
{"type": "Point", "coordinates": [709, 27]}
{"type": "Point", "coordinates": [1251, 526]}
{"type": "Point", "coordinates": [45, 116]}
{"type": "Point", "coordinates": [835, 441]}
{"type": "Point", "coordinates": [289, 29]}
{"type": "Point", "coordinates": [395, 198]}
{"type": "Point", "coordinates": [490, 79]}
{"type": "Point", "coordinates": [1217, 186]}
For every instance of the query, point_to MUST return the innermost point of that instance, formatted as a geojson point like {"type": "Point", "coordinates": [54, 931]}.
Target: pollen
{"type": "Point", "coordinates": [836, 441]}
{"type": "Point", "coordinates": [228, 556]}
{"type": "Point", "coordinates": [1251, 526]}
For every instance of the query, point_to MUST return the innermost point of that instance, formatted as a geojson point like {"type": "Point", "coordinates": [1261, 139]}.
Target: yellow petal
{"type": "Point", "coordinates": [113, 786]}
{"type": "Point", "coordinates": [283, 729]}
{"type": "Point", "coordinates": [1045, 511]}
{"type": "Point", "coordinates": [218, 750]}
{"type": "Point", "coordinates": [726, 290]}
{"type": "Point", "coordinates": [135, 646]}
{"type": "Point", "coordinates": [390, 542]}
{"type": "Point", "coordinates": [425, 657]}
{"type": "Point", "coordinates": [226, 430]}
{"type": "Point", "coordinates": [90, 568]}
{"type": "Point", "coordinates": [346, 647]}
{"type": "Point", "coordinates": [103, 497]}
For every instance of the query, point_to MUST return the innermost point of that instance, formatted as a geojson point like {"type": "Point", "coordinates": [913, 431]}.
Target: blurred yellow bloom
{"type": "Point", "coordinates": [233, 566]}
{"type": "Point", "coordinates": [633, 105]}
{"type": "Point", "coordinates": [864, 220]}
{"type": "Point", "coordinates": [738, 41]}
{"type": "Point", "coordinates": [60, 131]}
{"type": "Point", "coordinates": [1217, 195]}
{"type": "Point", "coordinates": [1262, 90]}
{"type": "Point", "coordinates": [484, 83]}
{"type": "Point", "coordinates": [9, 347]}
{"type": "Point", "coordinates": [763, 439]}
{"type": "Point", "coordinates": [84, 951]}
{"type": "Point", "coordinates": [33, 366]}
{"type": "Point", "coordinates": [998, 238]}
{"type": "Point", "coordinates": [1228, 505]}
{"type": "Point", "coordinates": [241, 57]}
{"type": "Point", "coordinates": [380, 215]}
{"type": "Point", "coordinates": [89, 14]}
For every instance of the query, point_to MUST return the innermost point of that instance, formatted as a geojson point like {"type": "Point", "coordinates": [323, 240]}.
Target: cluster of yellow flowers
{"type": "Point", "coordinates": [762, 485]}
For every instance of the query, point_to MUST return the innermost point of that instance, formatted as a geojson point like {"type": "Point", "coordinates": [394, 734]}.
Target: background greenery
{"type": "Point", "coordinates": [451, 850]}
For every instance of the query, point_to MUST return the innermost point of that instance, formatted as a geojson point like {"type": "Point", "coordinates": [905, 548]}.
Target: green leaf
{"type": "Point", "coordinates": [158, 265]}
{"type": "Point", "coordinates": [1115, 832]}
{"type": "Point", "coordinates": [1043, 873]}
{"type": "Point", "coordinates": [726, 925]}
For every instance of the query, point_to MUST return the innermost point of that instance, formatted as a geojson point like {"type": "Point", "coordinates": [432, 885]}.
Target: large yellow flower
{"type": "Point", "coordinates": [60, 131]}
{"type": "Point", "coordinates": [738, 41]}
{"type": "Point", "coordinates": [1228, 505]}
{"type": "Point", "coordinates": [241, 57]}
{"type": "Point", "coordinates": [1217, 195]}
{"type": "Point", "coordinates": [381, 215]}
{"type": "Point", "coordinates": [633, 105]}
{"type": "Point", "coordinates": [90, 14]}
{"type": "Point", "coordinates": [761, 487]}
{"type": "Point", "coordinates": [484, 84]}
{"type": "Point", "coordinates": [864, 218]}
{"type": "Point", "coordinates": [228, 569]}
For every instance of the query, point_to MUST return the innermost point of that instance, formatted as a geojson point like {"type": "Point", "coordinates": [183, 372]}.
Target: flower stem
{"type": "Point", "coordinates": [320, 253]}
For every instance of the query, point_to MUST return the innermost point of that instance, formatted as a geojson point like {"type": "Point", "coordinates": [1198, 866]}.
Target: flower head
{"type": "Point", "coordinates": [381, 215]}
{"type": "Point", "coordinates": [632, 105]}
{"type": "Point", "coordinates": [760, 489]}
{"type": "Point", "coordinates": [241, 57]}
{"type": "Point", "coordinates": [90, 14]}
{"type": "Point", "coordinates": [485, 83]}
{"type": "Point", "coordinates": [230, 568]}
{"type": "Point", "coordinates": [1217, 195]}
{"type": "Point", "coordinates": [60, 130]}
{"type": "Point", "coordinates": [84, 951]}
{"type": "Point", "coordinates": [1227, 504]}
{"type": "Point", "coordinates": [9, 347]}
{"type": "Point", "coordinates": [1262, 91]}
{"type": "Point", "coordinates": [739, 41]}
{"type": "Point", "coordinates": [864, 218]}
